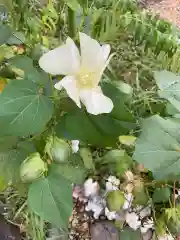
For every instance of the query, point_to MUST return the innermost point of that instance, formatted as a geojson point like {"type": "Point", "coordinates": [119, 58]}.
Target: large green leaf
{"type": "Point", "coordinates": [101, 129]}
{"type": "Point", "coordinates": [169, 85]}
{"type": "Point", "coordinates": [51, 198]}
{"type": "Point", "coordinates": [158, 147]}
{"type": "Point", "coordinates": [23, 109]}
{"type": "Point", "coordinates": [12, 157]}
{"type": "Point", "coordinates": [5, 33]}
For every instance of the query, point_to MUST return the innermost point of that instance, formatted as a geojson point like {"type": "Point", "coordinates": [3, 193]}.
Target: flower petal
{"type": "Point", "coordinates": [93, 55]}
{"type": "Point", "coordinates": [64, 60]}
{"type": "Point", "coordinates": [69, 83]}
{"type": "Point", "coordinates": [95, 101]}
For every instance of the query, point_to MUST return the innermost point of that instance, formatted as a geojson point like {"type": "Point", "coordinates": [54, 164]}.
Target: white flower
{"type": "Point", "coordinates": [95, 207]}
{"type": "Point", "coordinates": [166, 237]}
{"type": "Point", "coordinates": [149, 224]}
{"type": "Point", "coordinates": [115, 181]}
{"type": "Point", "coordinates": [132, 220]}
{"type": "Point", "coordinates": [110, 215]}
{"type": "Point", "coordinates": [82, 73]}
{"type": "Point", "coordinates": [91, 188]}
{"type": "Point", "coordinates": [128, 201]}
{"type": "Point", "coordinates": [75, 146]}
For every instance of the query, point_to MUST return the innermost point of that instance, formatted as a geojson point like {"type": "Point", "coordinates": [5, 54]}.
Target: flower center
{"type": "Point", "coordinates": [86, 79]}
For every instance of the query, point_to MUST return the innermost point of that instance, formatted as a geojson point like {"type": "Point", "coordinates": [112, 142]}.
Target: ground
{"type": "Point", "coordinates": [168, 9]}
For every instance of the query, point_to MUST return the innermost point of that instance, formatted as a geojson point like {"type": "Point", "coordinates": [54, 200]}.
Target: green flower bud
{"type": "Point", "coordinates": [57, 149]}
{"type": "Point", "coordinates": [32, 168]}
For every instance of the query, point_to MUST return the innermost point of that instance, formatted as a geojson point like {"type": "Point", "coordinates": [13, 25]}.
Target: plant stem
{"type": "Point", "coordinates": [71, 23]}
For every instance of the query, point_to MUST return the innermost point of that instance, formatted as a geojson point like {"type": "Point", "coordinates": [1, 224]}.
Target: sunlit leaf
{"type": "Point", "coordinates": [169, 85]}
{"type": "Point", "coordinates": [127, 140]}
{"type": "Point", "coordinates": [115, 200]}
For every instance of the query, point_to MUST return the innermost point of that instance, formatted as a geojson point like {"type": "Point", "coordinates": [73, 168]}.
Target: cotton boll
{"type": "Point", "coordinates": [75, 146]}
{"type": "Point", "coordinates": [115, 181]}
{"type": "Point", "coordinates": [129, 198]}
{"type": "Point", "coordinates": [110, 215]}
{"type": "Point", "coordinates": [96, 205]}
{"type": "Point", "coordinates": [110, 187]}
{"type": "Point", "coordinates": [91, 188]}
{"type": "Point", "coordinates": [148, 224]}
{"type": "Point", "coordinates": [145, 212]}
{"type": "Point", "coordinates": [132, 220]}
{"type": "Point", "coordinates": [96, 208]}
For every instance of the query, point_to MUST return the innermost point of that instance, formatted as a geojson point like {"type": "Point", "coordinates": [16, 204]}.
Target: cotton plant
{"type": "Point", "coordinates": [82, 72]}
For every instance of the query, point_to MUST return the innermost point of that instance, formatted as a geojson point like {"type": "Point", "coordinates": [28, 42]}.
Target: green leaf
{"type": "Point", "coordinates": [37, 76]}
{"type": "Point", "coordinates": [139, 192]}
{"type": "Point", "coordinates": [5, 33]}
{"type": "Point", "coordinates": [23, 109]}
{"type": "Point", "coordinates": [158, 147]}
{"type": "Point", "coordinates": [120, 159]}
{"type": "Point", "coordinates": [127, 140]}
{"type": "Point", "coordinates": [101, 130]}
{"type": "Point", "coordinates": [11, 159]}
{"type": "Point", "coordinates": [161, 195]}
{"type": "Point", "coordinates": [7, 3]}
{"type": "Point", "coordinates": [75, 174]}
{"type": "Point", "coordinates": [169, 85]}
{"type": "Point", "coordinates": [17, 38]}
{"type": "Point", "coordinates": [115, 200]}
{"type": "Point", "coordinates": [25, 64]}
{"type": "Point", "coordinates": [129, 234]}
{"type": "Point", "coordinates": [22, 62]}
{"type": "Point", "coordinates": [51, 198]}
{"type": "Point", "coordinates": [73, 4]}
{"type": "Point", "coordinates": [86, 155]}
